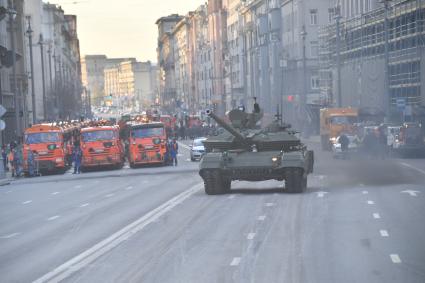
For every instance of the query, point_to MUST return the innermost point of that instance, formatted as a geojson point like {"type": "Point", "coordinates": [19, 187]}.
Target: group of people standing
{"type": "Point", "coordinates": [13, 159]}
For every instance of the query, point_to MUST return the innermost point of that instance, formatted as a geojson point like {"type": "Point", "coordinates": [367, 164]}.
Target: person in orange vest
{"type": "Point", "coordinates": [10, 158]}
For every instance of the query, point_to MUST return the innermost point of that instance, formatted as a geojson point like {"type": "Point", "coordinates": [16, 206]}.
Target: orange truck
{"type": "Point", "coordinates": [334, 121]}
{"type": "Point", "coordinates": [101, 146]}
{"type": "Point", "coordinates": [147, 143]}
{"type": "Point", "coordinates": [50, 145]}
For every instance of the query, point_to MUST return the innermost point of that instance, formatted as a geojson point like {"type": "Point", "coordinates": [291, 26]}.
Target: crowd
{"type": "Point", "coordinates": [13, 159]}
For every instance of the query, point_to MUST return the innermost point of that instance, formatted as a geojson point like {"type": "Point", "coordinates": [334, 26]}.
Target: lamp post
{"type": "Point", "coordinates": [12, 15]}
{"type": "Point", "coordinates": [387, 95]}
{"type": "Point", "coordinates": [338, 53]}
{"type": "Point", "coordinates": [40, 42]}
{"type": "Point", "coordinates": [303, 35]}
{"type": "Point", "coordinates": [34, 106]}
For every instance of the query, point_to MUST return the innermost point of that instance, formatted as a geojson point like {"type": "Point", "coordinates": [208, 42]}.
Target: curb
{"type": "Point", "coordinates": [4, 182]}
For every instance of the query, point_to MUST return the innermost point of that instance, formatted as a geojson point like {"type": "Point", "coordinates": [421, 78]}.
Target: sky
{"type": "Point", "coordinates": [122, 28]}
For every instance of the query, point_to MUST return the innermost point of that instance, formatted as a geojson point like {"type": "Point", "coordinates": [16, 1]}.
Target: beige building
{"type": "Point", "coordinates": [131, 85]}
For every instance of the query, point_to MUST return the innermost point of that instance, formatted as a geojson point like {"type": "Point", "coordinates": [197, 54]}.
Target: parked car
{"type": "Point", "coordinates": [197, 149]}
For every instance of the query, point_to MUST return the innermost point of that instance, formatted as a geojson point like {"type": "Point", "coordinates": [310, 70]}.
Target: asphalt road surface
{"type": "Point", "coordinates": [359, 221]}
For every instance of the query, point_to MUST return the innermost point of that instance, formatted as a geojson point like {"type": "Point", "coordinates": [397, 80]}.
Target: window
{"type": "Point", "coordinates": [314, 17]}
{"type": "Point", "coordinates": [315, 82]}
{"type": "Point", "coordinates": [314, 49]}
{"type": "Point", "coordinates": [331, 15]}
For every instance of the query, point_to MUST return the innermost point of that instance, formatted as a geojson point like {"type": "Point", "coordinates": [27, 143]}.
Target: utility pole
{"type": "Point", "coordinates": [49, 51]}
{"type": "Point", "coordinates": [304, 86]}
{"type": "Point", "coordinates": [34, 106]}
{"type": "Point", "coordinates": [338, 53]}
{"type": "Point", "coordinates": [387, 95]}
{"type": "Point", "coordinates": [40, 42]}
{"type": "Point", "coordinates": [12, 15]}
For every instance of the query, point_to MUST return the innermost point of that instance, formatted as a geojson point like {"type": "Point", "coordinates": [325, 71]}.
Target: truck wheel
{"type": "Point", "coordinates": [213, 183]}
{"type": "Point", "coordinates": [294, 183]}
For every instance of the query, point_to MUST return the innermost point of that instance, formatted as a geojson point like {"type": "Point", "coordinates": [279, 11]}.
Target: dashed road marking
{"type": "Point", "coordinates": [55, 193]}
{"type": "Point", "coordinates": [411, 193]}
{"type": "Point", "coordinates": [27, 202]}
{"type": "Point", "coordinates": [235, 261]}
{"type": "Point", "coordinates": [269, 204]}
{"type": "Point", "coordinates": [261, 218]}
{"type": "Point", "coordinates": [321, 194]}
{"type": "Point", "coordinates": [231, 197]}
{"type": "Point", "coordinates": [129, 188]}
{"type": "Point", "coordinates": [365, 192]}
{"type": "Point", "coordinates": [370, 202]}
{"type": "Point", "coordinates": [188, 159]}
{"type": "Point", "coordinates": [250, 236]}
{"type": "Point", "coordinates": [395, 258]}
{"type": "Point", "coordinates": [53, 218]}
{"type": "Point", "coordinates": [10, 236]}
{"type": "Point", "coordinates": [77, 187]}
{"type": "Point", "coordinates": [376, 216]}
{"type": "Point", "coordinates": [8, 192]}
{"type": "Point", "coordinates": [109, 195]}
{"type": "Point", "coordinates": [384, 233]}
{"type": "Point", "coordinates": [85, 204]}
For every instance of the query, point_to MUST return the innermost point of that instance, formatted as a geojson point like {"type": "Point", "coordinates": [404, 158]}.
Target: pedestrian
{"type": "Point", "coordinates": [77, 155]}
{"type": "Point", "coordinates": [30, 163]}
{"type": "Point", "coordinates": [4, 156]}
{"type": "Point", "coordinates": [10, 158]}
{"type": "Point", "coordinates": [344, 142]}
{"type": "Point", "coordinates": [174, 149]}
{"type": "Point", "coordinates": [18, 159]}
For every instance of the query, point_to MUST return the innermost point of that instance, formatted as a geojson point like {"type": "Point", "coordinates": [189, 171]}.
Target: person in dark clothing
{"type": "Point", "coordinates": [77, 156]}
{"type": "Point", "coordinates": [344, 141]}
{"type": "Point", "coordinates": [174, 150]}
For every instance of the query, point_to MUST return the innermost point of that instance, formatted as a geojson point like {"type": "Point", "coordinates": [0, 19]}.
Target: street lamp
{"type": "Point", "coordinates": [29, 33]}
{"type": "Point", "coordinates": [338, 17]}
{"type": "Point", "coordinates": [303, 35]}
{"type": "Point", "coordinates": [387, 95]}
{"type": "Point", "coordinates": [40, 42]}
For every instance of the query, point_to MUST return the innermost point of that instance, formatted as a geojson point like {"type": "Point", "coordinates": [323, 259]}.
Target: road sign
{"type": "Point", "coordinates": [2, 112]}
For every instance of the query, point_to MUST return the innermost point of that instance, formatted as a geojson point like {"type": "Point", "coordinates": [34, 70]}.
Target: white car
{"type": "Point", "coordinates": [197, 149]}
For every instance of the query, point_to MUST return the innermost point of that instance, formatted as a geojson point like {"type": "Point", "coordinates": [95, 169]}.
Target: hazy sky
{"type": "Point", "coordinates": [122, 28]}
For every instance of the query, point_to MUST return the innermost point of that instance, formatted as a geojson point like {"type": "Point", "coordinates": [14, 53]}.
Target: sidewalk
{"type": "Point", "coordinates": [7, 180]}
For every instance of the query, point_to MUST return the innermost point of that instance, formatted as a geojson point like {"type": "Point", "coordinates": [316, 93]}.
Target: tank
{"type": "Point", "coordinates": [246, 152]}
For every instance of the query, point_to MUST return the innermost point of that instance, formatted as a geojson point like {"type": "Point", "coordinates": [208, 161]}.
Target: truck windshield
{"type": "Point", "coordinates": [147, 132]}
{"type": "Point", "coordinates": [343, 120]}
{"type": "Point", "coordinates": [37, 138]}
{"type": "Point", "coordinates": [98, 136]}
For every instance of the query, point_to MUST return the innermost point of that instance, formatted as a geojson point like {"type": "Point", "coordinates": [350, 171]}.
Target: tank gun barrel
{"type": "Point", "coordinates": [226, 126]}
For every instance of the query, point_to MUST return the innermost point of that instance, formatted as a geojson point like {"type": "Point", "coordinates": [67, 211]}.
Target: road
{"type": "Point", "coordinates": [359, 221]}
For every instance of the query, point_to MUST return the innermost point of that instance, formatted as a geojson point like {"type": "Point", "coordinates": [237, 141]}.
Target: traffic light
{"type": "Point", "coordinates": [290, 98]}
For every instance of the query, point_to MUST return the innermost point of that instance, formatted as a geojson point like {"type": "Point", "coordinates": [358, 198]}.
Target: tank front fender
{"type": "Point", "coordinates": [211, 161]}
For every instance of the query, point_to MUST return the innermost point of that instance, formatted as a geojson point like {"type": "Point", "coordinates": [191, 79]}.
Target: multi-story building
{"type": "Point", "coordinates": [166, 62]}
{"type": "Point", "coordinates": [235, 83]}
{"type": "Point", "coordinates": [13, 77]}
{"type": "Point", "coordinates": [363, 60]}
{"type": "Point", "coordinates": [92, 73]}
{"type": "Point", "coordinates": [217, 38]}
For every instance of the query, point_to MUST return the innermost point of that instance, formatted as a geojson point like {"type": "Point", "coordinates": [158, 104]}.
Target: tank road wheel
{"type": "Point", "coordinates": [295, 181]}
{"type": "Point", "coordinates": [226, 185]}
{"type": "Point", "coordinates": [214, 185]}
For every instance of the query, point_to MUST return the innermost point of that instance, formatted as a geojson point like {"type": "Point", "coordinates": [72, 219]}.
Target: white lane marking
{"type": "Point", "coordinates": [235, 261]}
{"type": "Point", "coordinates": [109, 195]}
{"type": "Point", "coordinates": [250, 236]}
{"type": "Point", "coordinates": [365, 192]}
{"type": "Point", "coordinates": [96, 182]}
{"type": "Point", "coordinates": [269, 204]}
{"type": "Point", "coordinates": [376, 216]}
{"type": "Point", "coordinates": [384, 233]}
{"type": "Point", "coordinates": [188, 159]}
{"type": "Point", "coordinates": [77, 187]}
{"type": "Point", "coordinates": [129, 188]}
{"type": "Point", "coordinates": [410, 192]}
{"type": "Point", "coordinates": [10, 236]}
{"type": "Point", "coordinates": [53, 218]}
{"type": "Point", "coordinates": [85, 258]}
{"type": "Point", "coordinates": [370, 202]}
{"type": "Point", "coordinates": [231, 197]}
{"type": "Point", "coordinates": [413, 167]}
{"type": "Point", "coordinates": [27, 202]}
{"type": "Point", "coordinates": [145, 182]}
{"type": "Point", "coordinates": [55, 193]}
{"type": "Point", "coordinates": [321, 177]}
{"type": "Point", "coordinates": [85, 204]}
{"type": "Point", "coordinates": [321, 194]}
{"type": "Point", "coordinates": [8, 192]}
{"type": "Point", "coordinates": [261, 218]}
{"type": "Point", "coordinates": [395, 258]}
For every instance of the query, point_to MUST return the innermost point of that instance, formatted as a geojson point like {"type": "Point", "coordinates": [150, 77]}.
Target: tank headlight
{"type": "Point", "coordinates": [275, 159]}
